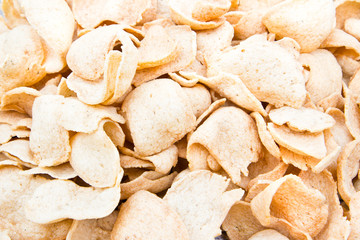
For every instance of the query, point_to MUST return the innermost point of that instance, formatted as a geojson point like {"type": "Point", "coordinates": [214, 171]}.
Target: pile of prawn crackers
{"type": "Point", "coordinates": [180, 120]}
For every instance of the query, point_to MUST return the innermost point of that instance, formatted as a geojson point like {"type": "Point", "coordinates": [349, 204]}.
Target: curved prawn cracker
{"type": "Point", "coordinates": [55, 23]}
{"type": "Point", "coordinates": [162, 162]}
{"type": "Point", "coordinates": [346, 9]}
{"type": "Point", "coordinates": [92, 228]}
{"type": "Point", "coordinates": [94, 156]}
{"type": "Point", "coordinates": [268, 234]}
{"type": "Point", "coordinates": [14, 16]}
{"type": "Point", "coordinates": [204, 220]}
{"type": "Point", "coordinates": [291, 207]}
{"type": "Point", "coordinates": [302, 119]}
{"type": "Point", "coordinates": [240, 222]}
{"type": "Point", "coordinates": [355, 216]}
{"type": "Point", "coordinates": [143, 216]}
{"type": "Point", "coordinates": [265, 136]}
{"type": "Point", "coordinates": [157, 47]}
{"type": "Point", "coordinates": [49, 141]}
{"type": "Point", "coordinates": [233, 88]}
{"type": "Point", "coordinates": [87, 54]}
{"type": "Point", "coordinates": [71, 201]}
{"type": "Point", "coordinates": [325, 74]}
{"type": "Point", "coordinates": [340, 131]}
{"type": "Point", "coordinates": [112, 71]}
{"type": "Point", "coordinates": [246, 23]}
{"type": "Point", "coordinates": [80, 117]}
{"type": "Point", "coordinates": [90, 14]}
{"type": "Point", "coordinates": [20, 99]}
{"type": "Point", "coordinates": [21, 58]}
{"type": "Point", "coordinates": [227, 128]}
{"type": "Point", "coordinates": [308, 144]}
{"type": "Point", "coordinates": [352, 114]}
{"type": "Point", "coordinates": [348, 167]}
{"type": "Point", "coordinates": [338, 39]}
{"type": "Point", "coordinates": [212, 108]}
{"type": "Point", "coordinates": [151, 181]}
{"type": "Point", "coordinates": [21, 188]}
{"type": "Point", "coordinates": [307, 22]}
{"type": "Point", "coordinates": [193, 13]}
{"type": "Point", "coordinates": [186, 45]}
{"type": "Point", "coordinates": [63, 171]}
{"type": "Point", "coordinates": [283, 85]}
{"type": "Point", "coordinates": [18, 149]}
{"type": "Point", "coordinates": [354, 85]}
{"type": "Point", "coordinates": [158, 114]}
{"type": "Point", "coordinates": [352, 27]}
{"type": "Point", "coordinates": [337, 226]}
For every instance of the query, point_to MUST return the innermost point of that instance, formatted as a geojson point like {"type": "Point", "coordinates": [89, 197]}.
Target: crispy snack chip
{"type": "Point", "coordinates": [233, 88]}
{"type": "Point", "coordinates": [87, 54]}
{"type": "Point", "coordinates": [71, 201]}
{"type": "Point", "coordinates": [265, 136]}
{"type": "Point", "coordinates": [21, 58]}
{"type": "Point", "coordinates": [94, 156]}
{"type": "Point", "coordinates": [146, 216]}
{"type": "Point", "coordinates": [20, 99]}
{"type": "Point", "coordinates": [202, 216]}
{"type": "Point", "coordinates": [54, 22]}
{"type": "Point", "coordinates": [348, 167]}
{"type": "Point", "coordinates": [337, 227]}
{"type": "Point", "coordinates": [339, 130]}
{"type": "Point", "coordinates": [15, 190]}
{"type": "Point", "coordinates": [80, 117]}
{"type": "Point", "coordinates": [268, 234]}
{"type": "Point", "coordinates": [111, 70]}
{"type": "Point", "coordinates": [291, 207]}
{"type": "Point", "coordinates": [283, 85]}
{"type": "Point", "coordinates": [308, 144]}
{"type": "Point", "coordinates": [63, 171]}
{"type": "Point", "coordinates": [151, 181]}
{"type": "Point", "coordinates": [49, 141]}
{"type": "Point", "coordinates": [194, 13]}
{"type": "Point", "coordinates": [92, 228]}
{"type": "Point", "coordinates": [352, 114]}
{"type": "Point", "coordinates": [19, 149]}
{"type": "Point", "coordinates": [302, 119]}
{"type": "Point", "coordinates": [283, 19]}
{"type": "Point", "coordinates": [259, 183]}
{"type": "Point", "coordinates": [345, 9]}
{"type": "Point", "coordinates": [13, 14]}
{"type": "Point", "coordinates": [226, 128]}
{"type": "Point", "coordinates": [325, 74]}
{"type": "Point", "coordinates": [317, 165]}
{"type": "Point", "coordinates": [162, 162]}
{"type": "Point", "coordinates": [186, 46]}
{"type": "Point", "coordinates": [246, 23]}
{"type": "Point", "coordinates": [158, 114]}
{"type": "Point", "coordinates": [240, 222]}
{"type": "Point", "coordinates": [355, 216]}
{"type": "Point", "coordinates": [354, 85]}
{"type": "Point", "coordinates": [90, 14]}
{"type": "Point", "coordinates": [157, 48]}
{"type": "Point", "coordinates": [339, 39]}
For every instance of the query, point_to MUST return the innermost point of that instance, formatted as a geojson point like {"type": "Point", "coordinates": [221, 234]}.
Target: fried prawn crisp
{"type": "Point", "coordinates": [202, 216]}
{"type": "Point", "coordinates": [158, 114]}
{"type": "Point", "coordinates": [145, 216]}
{"type": "Point", "coordinates": [226, 128]}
